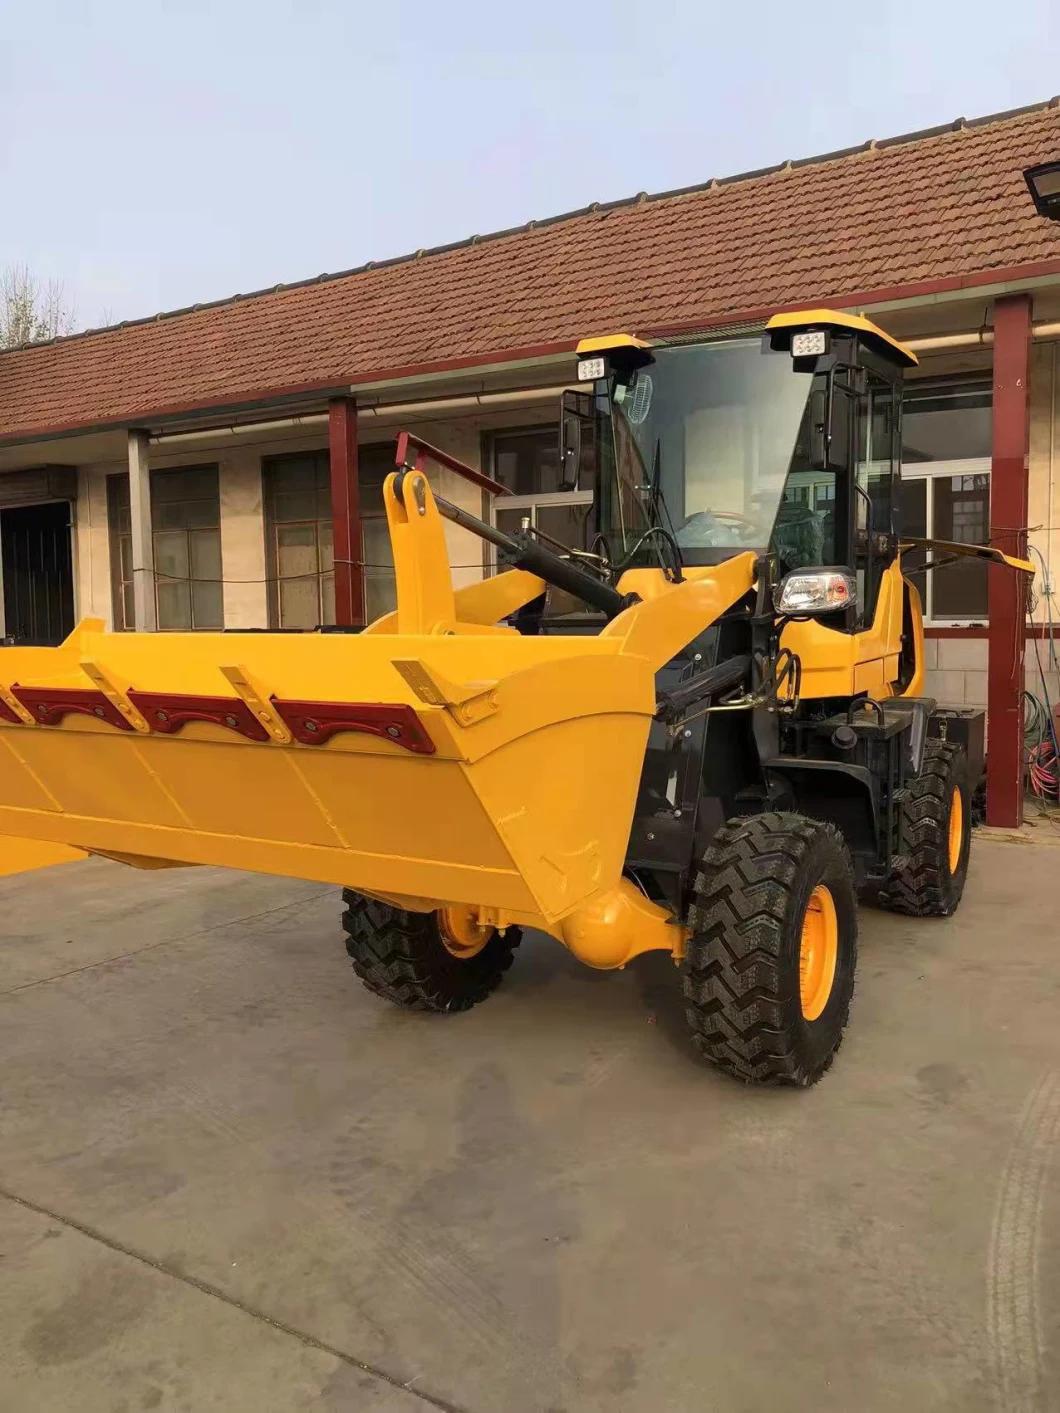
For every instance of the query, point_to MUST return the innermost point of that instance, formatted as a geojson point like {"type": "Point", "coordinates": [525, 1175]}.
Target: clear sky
{"type": "Point", "coordinates": [155, 154]}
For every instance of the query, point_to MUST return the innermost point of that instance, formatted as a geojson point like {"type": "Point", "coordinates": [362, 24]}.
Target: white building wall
{"type": "Point", "coordinates": [243, 558]}
{"type": "Point", "coordinates": [92, 598]}
{"type": "Point", "coordinates": [956, 670]}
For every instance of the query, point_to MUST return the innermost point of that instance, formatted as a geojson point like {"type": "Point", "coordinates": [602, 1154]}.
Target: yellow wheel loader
{"type": "Point", "coordinates": [696, 725]}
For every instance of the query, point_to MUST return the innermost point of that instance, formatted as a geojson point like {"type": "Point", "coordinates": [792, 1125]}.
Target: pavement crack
{"type": "Point", "coordinates": [216, 1293]}
{"type": "Point", "coordinates": [165, 942]}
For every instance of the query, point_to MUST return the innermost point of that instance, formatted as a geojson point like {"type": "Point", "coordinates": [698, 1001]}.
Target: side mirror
{"type": "Point", "coordinates": [575, 437]}
{"type": "Point", "coordinates": [806, 593]}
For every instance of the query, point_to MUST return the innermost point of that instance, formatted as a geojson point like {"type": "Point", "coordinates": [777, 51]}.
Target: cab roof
{"type": "Point", "coordinates": [837, 320]}
{"type": "Point", "coordinates": [786, 324]}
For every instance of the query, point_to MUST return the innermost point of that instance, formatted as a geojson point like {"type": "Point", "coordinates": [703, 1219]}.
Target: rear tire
{"type": "Point", "coordinates": [936, 837]}
{"type": "Point", "coordinates": [760, 1002]}
{"type": "Point", "coordinates": [401, 956]}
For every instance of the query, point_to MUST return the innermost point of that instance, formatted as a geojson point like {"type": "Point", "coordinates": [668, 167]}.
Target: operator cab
{"type": "Point", "coordinates": [787, 445]}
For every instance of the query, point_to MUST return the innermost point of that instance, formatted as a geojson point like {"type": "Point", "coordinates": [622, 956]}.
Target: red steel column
{"type": "Point", "coordinates": [346, 512]}
{"type": "Point", "coordinates": [1007, 590]}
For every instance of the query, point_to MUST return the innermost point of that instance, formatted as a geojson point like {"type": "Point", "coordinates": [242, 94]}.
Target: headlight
{"type": "Point", "coordinates": [809, 344]}
{"type": "Point", "coordinates": [812, 591]}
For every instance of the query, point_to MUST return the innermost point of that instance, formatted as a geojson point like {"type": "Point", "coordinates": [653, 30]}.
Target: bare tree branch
{"type": "Point", "coordinates": [32, 311]}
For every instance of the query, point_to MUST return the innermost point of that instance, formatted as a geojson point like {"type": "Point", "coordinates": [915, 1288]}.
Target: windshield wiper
{"type": "Point", "coordinates": [659, 532]}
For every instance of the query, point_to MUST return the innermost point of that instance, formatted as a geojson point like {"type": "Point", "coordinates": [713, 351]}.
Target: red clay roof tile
{"type": "Point", "coordinates": [948, 204]}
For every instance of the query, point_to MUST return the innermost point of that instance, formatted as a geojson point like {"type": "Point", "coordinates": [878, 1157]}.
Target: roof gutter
{"type": "Point", "coordinates": [977, 338]}
{"type": "Point", "coordinates": [389, 411]}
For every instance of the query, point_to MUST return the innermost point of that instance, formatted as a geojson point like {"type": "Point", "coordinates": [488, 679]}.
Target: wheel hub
{"type": "Point", "coordinates": [461, 933]}
{"type": "Point", "coordinates": [818, 950]}
{"type": "Point", "coordinates": [956, 829]}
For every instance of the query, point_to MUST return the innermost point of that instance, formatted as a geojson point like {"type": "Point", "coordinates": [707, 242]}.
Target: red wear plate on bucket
{"type": "Point", "coordinates": [313, 723]}
{"type": "Point", "coordinates": [168, 712]}
{"type": "Point", "coordinates": [50, 704]}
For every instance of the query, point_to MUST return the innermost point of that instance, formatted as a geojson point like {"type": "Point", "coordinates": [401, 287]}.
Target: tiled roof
{"type": "Point", "coordinates": [942, 205]}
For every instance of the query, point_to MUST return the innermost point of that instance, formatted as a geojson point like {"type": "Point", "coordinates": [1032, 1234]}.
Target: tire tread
{"type": "Point", "coordinates": [921, 888]}
{"type": "Point", "coordinates": [738, 997]}
{"type": "Point", "coordinates": [399, 956]}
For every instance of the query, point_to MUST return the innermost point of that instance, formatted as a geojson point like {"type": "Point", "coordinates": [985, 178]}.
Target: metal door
{"type": "Point", "coordinates": [37, 573]}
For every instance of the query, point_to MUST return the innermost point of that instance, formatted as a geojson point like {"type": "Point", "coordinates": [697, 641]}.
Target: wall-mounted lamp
{"type": "Point", "coordinates": [1044, 184]}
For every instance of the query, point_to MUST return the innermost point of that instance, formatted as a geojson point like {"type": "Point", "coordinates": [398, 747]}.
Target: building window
{"type": "Point", "coordinates": [945, 492]}
{"type": "Point", "coordinates": [298, 529]}
{"type": "Point", "coordinates": [527, 462]}
{"type": "Point", "coordinates": [119, 523]}
{"type": "Point", "coordinates": [186, 536]}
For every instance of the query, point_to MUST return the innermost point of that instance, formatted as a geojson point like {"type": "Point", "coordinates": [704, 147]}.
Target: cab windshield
{"type": "Point", "coordinates": [714, 427]}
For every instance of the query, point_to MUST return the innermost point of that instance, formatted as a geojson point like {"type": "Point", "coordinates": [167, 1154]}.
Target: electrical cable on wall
{"type": "Point", "coordinates": [1040, 742]}
{"type": "Point", "coordinates": [1039, 748]}
{"type": "Point", "coordinates": [280, 578]}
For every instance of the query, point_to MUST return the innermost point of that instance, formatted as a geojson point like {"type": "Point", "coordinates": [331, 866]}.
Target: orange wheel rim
{"type": "Point", "coordinates": [956, 832]}
{"type": "Point", "coordinates": [460, 933]}
{"type": "Point", "coordinates": [818, 952]}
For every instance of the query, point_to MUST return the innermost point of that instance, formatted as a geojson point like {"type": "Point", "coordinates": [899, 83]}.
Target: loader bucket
{"type": "Point", "coordinates": [318, 756]}
{"type": "Point", "coordinates": [435, 759]}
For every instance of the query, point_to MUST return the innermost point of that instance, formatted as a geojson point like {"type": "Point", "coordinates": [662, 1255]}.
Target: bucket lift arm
{"type": "Point", "coordinates": [521, 551]}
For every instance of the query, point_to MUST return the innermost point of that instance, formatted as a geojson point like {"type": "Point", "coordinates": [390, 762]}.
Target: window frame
{"type": "Point", "coordinates": [938, 386]}
{"type": "Point", "coordinates": [119, 541]}
{"type": "Point", "coordinates": [271, 525]}
{"type": "Point", "coordinates": [526, 429]}
{"type": "Point", "coordinates": [373, 574]}
{"type": "Point", "coordinates": [929, 471]}
{"type": "Point", "coordinates": [530, 503]}
{"type": "Point", "coordinates": [120, 547]}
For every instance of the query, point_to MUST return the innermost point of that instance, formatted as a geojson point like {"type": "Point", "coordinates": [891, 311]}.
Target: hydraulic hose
{"type": "Point", "coordinates": [523, 552]}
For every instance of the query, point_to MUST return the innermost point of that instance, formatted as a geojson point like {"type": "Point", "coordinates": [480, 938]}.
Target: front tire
{"type": "Point", "coordinates": [413, 961]}
{"type": "Point", "coordinates": [936, 836]}
{"type": "Point", "coordinates": [769, 970]}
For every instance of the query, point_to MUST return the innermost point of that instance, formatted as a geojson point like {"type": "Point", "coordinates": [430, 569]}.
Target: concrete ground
{"type": "Point", "coordinates": [231, 1179]}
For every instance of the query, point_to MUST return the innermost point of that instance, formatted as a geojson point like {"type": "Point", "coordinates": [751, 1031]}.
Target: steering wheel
{"type": "Point", "coordinates": [736, 515]}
